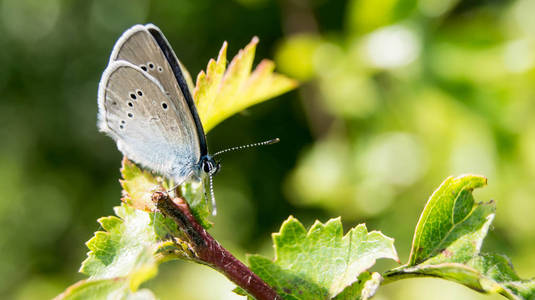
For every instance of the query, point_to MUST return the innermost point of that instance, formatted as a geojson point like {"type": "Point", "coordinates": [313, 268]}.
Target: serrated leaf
{"type": "Point", "coordinates": [126, 254]}
{"type": "Point", "coordinates": [125, 249]}
{"type": "Point", "coordinates": [221, 92]}
{"type": "Point", "coordinates": [321, 263]}
{"type": "Point", "coordinates": [139, 186]}
{"type": "Point", "coordinates": [448, 240]}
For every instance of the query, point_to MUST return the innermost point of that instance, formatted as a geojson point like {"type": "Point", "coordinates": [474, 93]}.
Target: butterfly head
{"type": "Point", "coordinates": [209, 165]}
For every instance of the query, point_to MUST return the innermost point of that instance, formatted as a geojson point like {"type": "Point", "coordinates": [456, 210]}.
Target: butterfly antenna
{"type": "Point", "coordinates": [273, 141]}
{"type": "Point", "coordinates": [212, 196]}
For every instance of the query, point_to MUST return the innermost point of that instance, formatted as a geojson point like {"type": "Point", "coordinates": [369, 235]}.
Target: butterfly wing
{"type": "Point", "coordinates": [149, 126]}
{"type": "Point", "coordinates": [147, 47]}
{"type": "Point", "coordinates": [179, 75]}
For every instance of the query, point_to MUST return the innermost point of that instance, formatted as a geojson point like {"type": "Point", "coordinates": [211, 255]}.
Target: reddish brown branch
{"type": "Point", "coordinates": [209, 251]}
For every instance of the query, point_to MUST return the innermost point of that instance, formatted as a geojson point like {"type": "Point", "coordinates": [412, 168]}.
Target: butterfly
{"type": "Point", "coordinates": [145, 105]}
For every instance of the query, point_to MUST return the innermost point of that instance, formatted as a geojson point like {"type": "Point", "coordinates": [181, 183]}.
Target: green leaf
{"type": "Point", "coordinates": [133, 244]}
{"type": "Point", "coordinates": [449, 205]}
{"type": "Point", "coordinates": [466, 239]}
{"type": "Point", "coordinates": [500, 270]}
{"type": "Point", "coordinates": [114, 288]}
{"type": "Point", "coordinates": [120, 258]}
{"type": "Point", "coordinates": [222, 92]}
{"type": "Point", "coordinates": [483, 273]}
{"type": "Point", "coordinates": [323, 263]}
{"type": "Point", "coordinates": [126, 254]}
{"type": "Point", "coordinates": [448, 240]}
{"type": "Point", "coordinates": [125, 249]}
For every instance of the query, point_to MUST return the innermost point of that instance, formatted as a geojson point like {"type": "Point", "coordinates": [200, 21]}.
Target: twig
{"type": "Point", "coordinates": [209, 251]}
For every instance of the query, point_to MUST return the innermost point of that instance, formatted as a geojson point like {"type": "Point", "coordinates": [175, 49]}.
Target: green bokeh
{"type": "Point", "coordinates": [397, 95]}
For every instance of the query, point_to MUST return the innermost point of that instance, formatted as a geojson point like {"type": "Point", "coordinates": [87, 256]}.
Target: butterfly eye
{"type": "Point", "coordinates": [207, 166]}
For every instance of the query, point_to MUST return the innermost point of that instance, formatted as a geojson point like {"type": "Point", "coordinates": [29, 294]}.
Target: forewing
{"type": "Point", "coordinates": [139, 47]}
{"type": "Point", "coordinates": [148, 126]}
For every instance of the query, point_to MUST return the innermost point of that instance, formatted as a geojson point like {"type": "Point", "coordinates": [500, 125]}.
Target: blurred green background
{"type": "Point", "coordinates": [396, 96]}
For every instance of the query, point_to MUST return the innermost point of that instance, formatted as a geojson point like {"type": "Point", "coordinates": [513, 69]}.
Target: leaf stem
{"type": "Point", "coordinates": [398, 274]}
{"type": "Point", "coordinates": [209, 251]}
